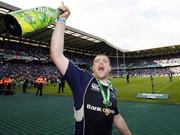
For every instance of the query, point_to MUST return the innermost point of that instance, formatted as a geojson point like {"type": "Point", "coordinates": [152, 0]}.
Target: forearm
{"type": "Point", "coordinates": [57, 47]}
{"type": "Point", "coordinates": [57, 41]}
{"type": "Point", "coordinates": [121, 125]}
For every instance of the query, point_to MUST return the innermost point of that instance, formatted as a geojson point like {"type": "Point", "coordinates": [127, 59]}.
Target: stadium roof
{"type": "Point", "coordinates": [162, 51]}
{"type": "Point", "coordinates": [78, 41]}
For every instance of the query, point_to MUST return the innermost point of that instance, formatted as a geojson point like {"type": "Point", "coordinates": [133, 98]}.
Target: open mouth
{"type": "Point", "coordinates": [101, 69]}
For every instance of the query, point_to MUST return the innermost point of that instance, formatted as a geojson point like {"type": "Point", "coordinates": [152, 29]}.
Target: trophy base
{"type": "Point", "coordinates": [12, 25]}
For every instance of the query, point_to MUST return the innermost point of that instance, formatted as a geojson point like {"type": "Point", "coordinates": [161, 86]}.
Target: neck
{"type": "Point", "coordinates": [104, 81]}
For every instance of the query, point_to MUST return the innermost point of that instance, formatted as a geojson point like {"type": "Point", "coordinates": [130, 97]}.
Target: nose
{"type": "Point", "coordinates": [101, 62]}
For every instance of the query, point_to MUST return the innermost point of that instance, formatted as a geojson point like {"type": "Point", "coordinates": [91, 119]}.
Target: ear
{"type": "Point", "coordinates": [92, 69]}
{"type": "Point", "coordinates": [109, 68]}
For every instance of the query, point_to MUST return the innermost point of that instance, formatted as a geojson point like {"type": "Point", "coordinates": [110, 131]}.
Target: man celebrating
{"type": "Point", "coordinates": [95, 104]}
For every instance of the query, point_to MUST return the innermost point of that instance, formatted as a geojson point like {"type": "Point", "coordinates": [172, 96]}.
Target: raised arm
{"type": "Point", "coordinates": [120, 125]}
{"type": "Point", "coordinates": [57, 42]}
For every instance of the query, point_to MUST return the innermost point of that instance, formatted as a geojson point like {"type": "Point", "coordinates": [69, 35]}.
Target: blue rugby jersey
{"type": "Point", "coordinates": [88, 103]}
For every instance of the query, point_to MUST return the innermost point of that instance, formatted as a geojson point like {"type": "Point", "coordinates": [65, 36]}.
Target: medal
{"type": "Point", "coordinates": [107, 111]}
{"type": "Point", "coordinates": [105, 95]}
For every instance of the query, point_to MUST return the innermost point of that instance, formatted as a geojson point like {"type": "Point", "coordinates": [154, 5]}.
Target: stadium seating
{"type": "Point", "coordinates": [30, 61]}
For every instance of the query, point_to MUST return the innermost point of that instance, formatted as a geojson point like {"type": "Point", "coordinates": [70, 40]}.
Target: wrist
{"type": "Point", "coordinates": [61, 20]}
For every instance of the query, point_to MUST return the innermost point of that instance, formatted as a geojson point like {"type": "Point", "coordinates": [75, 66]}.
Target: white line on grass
{"type": "Point", "coordinates": [168, 85]}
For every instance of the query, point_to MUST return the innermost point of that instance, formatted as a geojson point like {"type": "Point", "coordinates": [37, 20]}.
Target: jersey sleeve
{"type": "Point", "coordinates": [116, 110]}
{"type": "Point", "coordinates": [78, 80]}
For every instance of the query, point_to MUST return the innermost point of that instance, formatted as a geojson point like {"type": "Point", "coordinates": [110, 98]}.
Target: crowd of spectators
{"type": "Point", "coordinates": [28, 70]}
{"type": "Point", "coordinates": [25, 61]}
{"type": "Point", "coordinates": [168, 62]}
{"type": "Point", "coordinates": [155, 71]}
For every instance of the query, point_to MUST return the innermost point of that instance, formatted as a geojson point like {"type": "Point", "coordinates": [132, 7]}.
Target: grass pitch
{"type": "Point", "coordinates": [128, 91]}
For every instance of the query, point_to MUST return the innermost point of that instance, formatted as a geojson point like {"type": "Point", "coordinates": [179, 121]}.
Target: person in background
{"type": "Point", "coordinates": [25, 84]}
{"type": "Point", "coordinates": [152, 83]}
{"type": "Point", "coordinates": [1, 85]}
{"type": "Point", "coordinates": [170, 77]}
{"type": "Point", "coordinates": [8, 82]}
{"type": "Point", "coordinates": [39, 83]}
{"type": "Point", "coordinates": [61, 84]}
{"type": "Point", "coordinates": [127, 77]}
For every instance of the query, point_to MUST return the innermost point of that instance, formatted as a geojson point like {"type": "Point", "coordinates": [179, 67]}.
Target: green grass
{"type": "Point", "coordinates": [128, 91]}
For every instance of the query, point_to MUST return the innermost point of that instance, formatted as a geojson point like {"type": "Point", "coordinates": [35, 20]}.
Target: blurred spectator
{"type": "Point", "coordinates": [40, 82]}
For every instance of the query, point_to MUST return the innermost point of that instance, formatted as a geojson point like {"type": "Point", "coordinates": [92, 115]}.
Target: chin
{"type": "Point", "coordinates": [101, 77]}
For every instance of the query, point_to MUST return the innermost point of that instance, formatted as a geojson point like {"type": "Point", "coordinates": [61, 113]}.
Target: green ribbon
{"type": "Point", "coordinates": [105, 95]}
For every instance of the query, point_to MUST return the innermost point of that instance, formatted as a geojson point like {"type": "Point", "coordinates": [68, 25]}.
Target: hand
{"type": "Point", "coordinates": [66, 11]}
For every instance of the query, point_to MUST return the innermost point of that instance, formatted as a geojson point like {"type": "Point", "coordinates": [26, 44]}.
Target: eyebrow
{"type": "Point", "coordinates": [100, 59]}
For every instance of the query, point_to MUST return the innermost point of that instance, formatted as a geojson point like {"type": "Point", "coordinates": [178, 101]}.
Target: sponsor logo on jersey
{"type": "Point", "coordinates": [94, 108]}
{"type": "Point", "coordinates": [97, 108]}
{"type": "Point", "coordinates": [95, 87]}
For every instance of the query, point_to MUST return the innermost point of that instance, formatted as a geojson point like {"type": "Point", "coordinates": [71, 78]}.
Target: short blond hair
{"type": "Point", "coordinates": [101, 55]}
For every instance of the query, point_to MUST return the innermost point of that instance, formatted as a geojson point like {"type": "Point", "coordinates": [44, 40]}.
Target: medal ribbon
{"type": "Point", "coordinates": [105, 95]}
